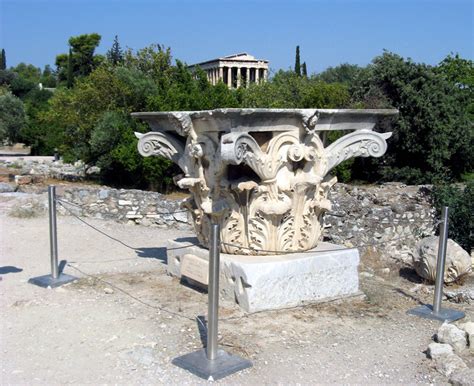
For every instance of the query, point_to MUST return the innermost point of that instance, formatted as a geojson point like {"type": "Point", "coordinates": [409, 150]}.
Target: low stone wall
{"type": "Point", "coordinates": [392, 217]}
{"type": "Point", "coordinates": [124, 205]}
{"type": "Point", "coordinates": [24, 169]}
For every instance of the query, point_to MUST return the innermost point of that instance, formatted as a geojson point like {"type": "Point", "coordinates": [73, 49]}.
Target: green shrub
{"type": "Point", "coordinates": [460, 201]}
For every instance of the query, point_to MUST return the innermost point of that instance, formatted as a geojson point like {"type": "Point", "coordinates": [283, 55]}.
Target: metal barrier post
{"type": "Point", "coordinates": [435, 311]}
{"type": "Point", "coordinates": [56, 278]}
{"type": "Point", "coordinates": [211, 363]}
{"type": "Point", "coordinates": [53, 234]}
{"type": "Point", "coordinates": [213, 293]}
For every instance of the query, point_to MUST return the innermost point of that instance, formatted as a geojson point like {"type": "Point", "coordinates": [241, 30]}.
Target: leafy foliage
{"type": "Point", "coordinates": [13, 118]}
{"type": "Point", "coordinates": [460, 201]}
{"type": "Point", "coordinates": [432, 137]}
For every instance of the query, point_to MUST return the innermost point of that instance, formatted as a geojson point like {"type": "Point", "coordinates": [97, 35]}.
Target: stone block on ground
{"type": "Point", "coordinates": [450, 364]}
{"type": "Point", "coordinates": [458, 261]}
{"type": "Point", "coordinates": [439, 350]}
{"type": "Point", "coordinates": [464, 377]}
{"type": "Point", "coordinates": [450, 334]}
{"type": "Point", "coordinates": [259, 283]}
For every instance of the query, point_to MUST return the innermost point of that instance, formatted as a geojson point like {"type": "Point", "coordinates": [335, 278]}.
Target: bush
{"type": "Point", "coordinates": [460, 201]}
{"type": "Point", "coordinates": [13, 118]}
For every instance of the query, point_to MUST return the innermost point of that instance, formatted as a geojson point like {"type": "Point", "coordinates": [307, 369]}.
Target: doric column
{"type": "Point", "coordinates": [265, 74]}
{"type": "Point", "coordinates": [248, 77]}
{"type": "Point", "coordinates": [221, 74]}
{"type": "Point", "coordinates": [229, 77]}
{"type": "Point", "coordinates": [239, 75]}
{"type": "Point", "coordinates": [257, 71]}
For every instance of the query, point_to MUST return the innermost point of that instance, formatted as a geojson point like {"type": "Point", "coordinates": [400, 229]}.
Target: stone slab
{"type": "Point", "coordinates": [260, 283]}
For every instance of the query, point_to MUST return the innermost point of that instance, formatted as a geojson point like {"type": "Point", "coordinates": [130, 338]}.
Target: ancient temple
{"type": "Point", "coordinates": [235, 70]}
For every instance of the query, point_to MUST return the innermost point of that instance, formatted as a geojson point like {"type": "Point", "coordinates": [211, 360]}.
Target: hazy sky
{"type": "Point", "coordinates": [328, 32]}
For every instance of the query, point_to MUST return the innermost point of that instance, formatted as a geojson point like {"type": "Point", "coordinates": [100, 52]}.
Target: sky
{"type": "Point", "coordinates": [328, 32]}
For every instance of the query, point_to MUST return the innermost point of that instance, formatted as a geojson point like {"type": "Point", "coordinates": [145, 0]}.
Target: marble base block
{"type": "Point", "coordinates": [258, 283]}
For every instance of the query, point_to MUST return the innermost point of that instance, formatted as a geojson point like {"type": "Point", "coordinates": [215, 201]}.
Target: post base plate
{"type": "Point", "coordinates": [445, 314]}
{"type": "Point", "coordinates": [224, 365]}
{"type": "Point", "coordinates": [47, 281]}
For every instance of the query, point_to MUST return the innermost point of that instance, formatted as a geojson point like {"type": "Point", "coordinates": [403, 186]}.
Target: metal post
{"type": "Point", "coordinates": [441, 262]}
{"type": "Point", "coordinates": [53, 235]}
{"type": "Point", "coordinates": [211, 363]}
{"type": "Point", "coordinates": [435, 311]}
{"type": "Point", "coordinates": [56, 278]}
{"type": "Point", "coordinates": [213, 293]}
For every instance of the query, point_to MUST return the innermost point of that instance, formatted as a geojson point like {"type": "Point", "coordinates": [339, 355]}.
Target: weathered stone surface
{"type": "Point", "coordinates": [271, 282]}
{"type": "Point", "coordinates": [458, 261]}
{"type": "Point", "coordinates": [450, 334]}
{"type": "Point", "coordinates": [262, 174]}
{"type": "Point", "coordinates": [464, 377]}
{"type": "Point", "coordinates": [438, 350]}
{"type": "Point", "coordinates": [468, 328]}
{"type": "Point", "coordinates": [6, 187]}
{"type": "Point", "coordinates": [450, 364]}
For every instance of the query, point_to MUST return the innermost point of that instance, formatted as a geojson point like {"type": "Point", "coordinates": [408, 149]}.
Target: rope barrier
{"type": "Point", "coordinates": [83, 207]}
{"type": "Point", "coordinates": [156, 307]}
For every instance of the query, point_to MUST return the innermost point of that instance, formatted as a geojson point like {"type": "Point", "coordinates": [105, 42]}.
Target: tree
{"type": "Point", "coordinates": [81, 60]}
{"type": "Point", "coordinates": [115, 54]}
{"type": "Point", "coordinates": [304, 72]}
{"type": "Point", "coordinates": [3, 60]}
{"type": "Point", "coordinates": [13, 119]}
{"type": "Point", "coordinates": [48, 78]}
{"type": "Point", "coordinates": [433, 136]}
{"type": "Point", "coordinates": [344, 73]}
{"type": "Point", "coordinates": [297, 61]}
{"type": "Point", "coordinates": [82, 48]}
{"type": "Point", "coordinates": [70, 70]}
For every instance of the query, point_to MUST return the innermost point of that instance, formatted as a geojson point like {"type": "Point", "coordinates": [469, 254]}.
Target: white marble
{"type": "Point", "coordinates": [262, 174]}
{"type": "Point", "coordinates": [259, 283]}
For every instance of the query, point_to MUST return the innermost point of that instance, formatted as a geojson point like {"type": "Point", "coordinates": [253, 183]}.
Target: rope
{"type": "Point", "coordinates": [156, 307]}
{"type": "Point", "coordinates": [83, 207]}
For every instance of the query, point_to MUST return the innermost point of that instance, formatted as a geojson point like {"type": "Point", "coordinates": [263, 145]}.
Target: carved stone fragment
{"type": "Point", "coordinates": [262, 174]}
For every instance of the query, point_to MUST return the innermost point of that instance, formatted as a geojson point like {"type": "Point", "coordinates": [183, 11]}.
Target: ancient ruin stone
{"type": "Point", "coordinates": [458, 261]}
{"type": "Point", "coordinates": [262, 174]}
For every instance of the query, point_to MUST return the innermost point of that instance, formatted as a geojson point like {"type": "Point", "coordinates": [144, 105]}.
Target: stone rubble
{"type": "Point", "coordinates": [452, 335]}
{"type": "Point", "coordinates": [450, 363]}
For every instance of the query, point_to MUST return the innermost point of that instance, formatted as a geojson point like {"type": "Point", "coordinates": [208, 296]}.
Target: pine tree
{"type": "Point", "coordinates": [115, 54]}
{"type": "Point", "coordinates": [3, 61]}
{"type": "Point", "coordinates": [304, 72]}
{"type": "Point", "coordinates": [297, 61]}
{"type": "Point", "coordinates": [70, 73]}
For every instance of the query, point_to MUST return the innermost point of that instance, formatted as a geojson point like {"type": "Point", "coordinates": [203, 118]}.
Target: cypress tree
{"type": "Point", "coordinates": [70, 74]}
{"type": "Point", "coordinates": [297, 61]}
{"type": "Point", "coordinates": [3, 61]}
{"type": "Point", "coordinates": [115, 54]}
{"type": "Point", "coordinates": [304, 72]}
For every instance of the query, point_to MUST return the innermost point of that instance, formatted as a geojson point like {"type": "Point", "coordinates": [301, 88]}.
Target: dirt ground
{"type": "Point", "coordinates": [124, 320]}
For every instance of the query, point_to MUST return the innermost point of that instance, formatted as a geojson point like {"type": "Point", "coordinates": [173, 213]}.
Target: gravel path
{"type": "Point", "coordinates": [126, 324]}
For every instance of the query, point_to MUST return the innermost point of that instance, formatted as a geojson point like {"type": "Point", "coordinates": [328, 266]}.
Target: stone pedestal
{"type": "Point", "coordinates": [258, 283]}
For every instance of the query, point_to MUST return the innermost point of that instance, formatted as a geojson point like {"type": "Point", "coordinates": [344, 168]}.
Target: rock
{"type": "Point", "coordinates": [449, 333]}
{"type": "Point", "coordinates": [458, 261]}
{"type": "Point", "coordinates": [23, 180]}
{"type": "Point", "coordinates": [449, 364]}
{"type": "Point", "coordinates": [464, 377]}
{"type": "Point", "coordinates": [469, 329]}
{"type": "Point", "coordinates": [103, 194]}
{"type": "Point", "coordinates": [108, 290]}
{"type": "Point", "coordinates": [438, 350]}
{"type": "Point", "coordinates": [93, 170]}
{"type": "Point", "coordinates": [6, 187]}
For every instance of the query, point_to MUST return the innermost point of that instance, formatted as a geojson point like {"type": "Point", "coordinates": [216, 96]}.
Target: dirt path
{"type": "Point", "coordinates": [92, 332]}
